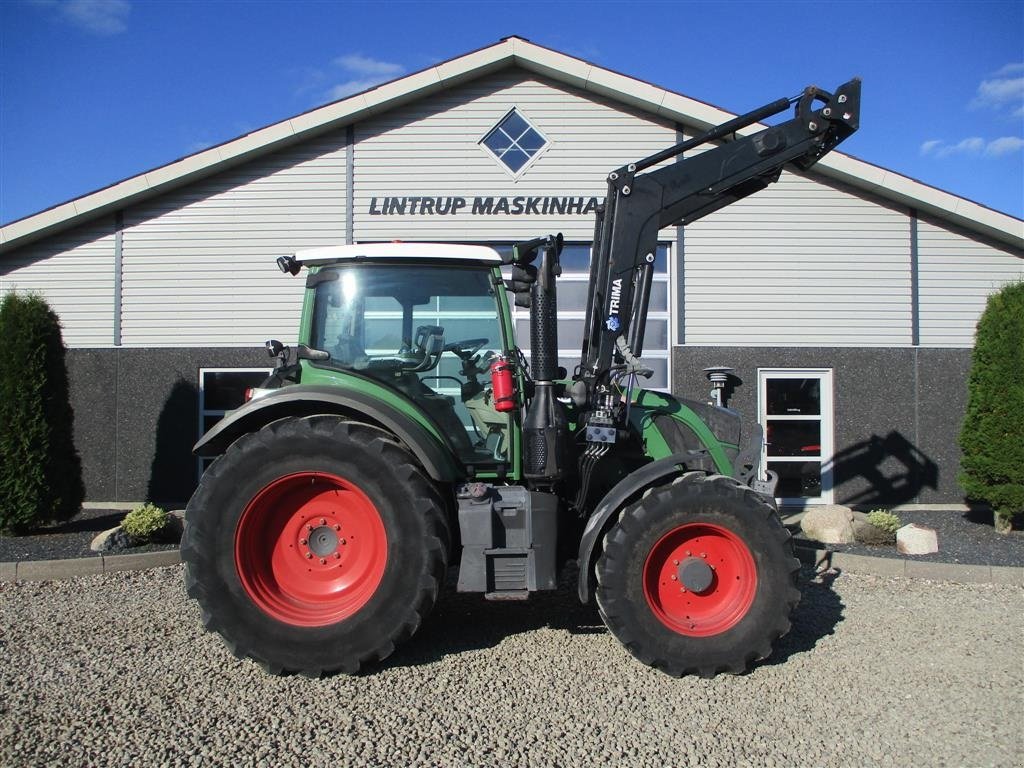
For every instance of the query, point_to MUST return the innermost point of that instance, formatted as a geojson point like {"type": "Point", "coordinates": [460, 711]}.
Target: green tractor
{"type": "Point", "coordinates": [406, 433]}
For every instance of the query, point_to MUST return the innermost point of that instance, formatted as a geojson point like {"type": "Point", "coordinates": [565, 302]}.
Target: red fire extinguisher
{"type": "Point", "coordinates": [503, 385]}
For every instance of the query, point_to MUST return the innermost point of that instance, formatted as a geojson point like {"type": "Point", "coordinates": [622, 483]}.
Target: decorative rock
{"type": "Point", "coordinates": [99, 543]}
{"type": "Point", "coordinates": [866, 533]}
{"type": "Point", "coordinates": [916, 539]}
{"type": "Point", "coordinates": [830, 525]}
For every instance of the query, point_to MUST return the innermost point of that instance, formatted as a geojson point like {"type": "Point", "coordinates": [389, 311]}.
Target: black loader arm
{"type": "Point", "coordinates": [639, 204]}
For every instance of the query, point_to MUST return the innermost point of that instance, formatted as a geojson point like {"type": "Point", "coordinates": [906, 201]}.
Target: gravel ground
{"type": "Point", "coordinates": [115, 670]}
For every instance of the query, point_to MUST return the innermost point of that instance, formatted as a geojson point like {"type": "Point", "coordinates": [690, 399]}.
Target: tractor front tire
{"type": "Point", "coordinates": [315, 545]}
{"type": "Point", "coordinates": [698, 577]}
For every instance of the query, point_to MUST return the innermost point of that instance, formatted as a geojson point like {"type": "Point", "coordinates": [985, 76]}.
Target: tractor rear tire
{"type": "Point", "coordinates": [315, 545]}
{"type": "Point", "coordinates": [698, 577]}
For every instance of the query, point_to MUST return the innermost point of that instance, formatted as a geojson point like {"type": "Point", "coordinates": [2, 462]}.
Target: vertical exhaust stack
{"type": "Point", "coordinates": [545, 428]}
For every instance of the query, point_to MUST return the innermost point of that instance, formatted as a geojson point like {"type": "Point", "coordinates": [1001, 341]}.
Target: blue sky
{"type": "Point", "coordinates": [93, 91]}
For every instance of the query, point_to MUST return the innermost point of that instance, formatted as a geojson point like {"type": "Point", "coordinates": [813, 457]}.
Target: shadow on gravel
{"type": "Point", "coordinates": [463, 623]}
{"type": "Point", "coordinates": [467, 622]}
{"type": "Point", "coordinates": [817, 615]}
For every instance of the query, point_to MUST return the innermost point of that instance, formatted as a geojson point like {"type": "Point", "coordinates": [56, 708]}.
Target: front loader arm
{"type": "Point", "coordinates": [639, 204]}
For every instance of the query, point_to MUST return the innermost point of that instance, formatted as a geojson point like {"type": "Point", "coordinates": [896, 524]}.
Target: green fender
{"type": "Point", "coordinates": [437, 457]}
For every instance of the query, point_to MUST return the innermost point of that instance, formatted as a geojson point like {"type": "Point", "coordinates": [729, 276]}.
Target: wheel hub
{"type": "Point", "coordinates": [695, 574]}
{"type": "Point", "coordinates": [323, 541]}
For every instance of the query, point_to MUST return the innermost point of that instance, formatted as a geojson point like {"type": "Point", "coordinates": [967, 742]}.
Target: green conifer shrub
{"type": "Point", "coordinates": [144, 521]}
{"type": "Point", "coordinates": [992, 436]}
{"type": "Point", "coordinates": [40, 472]}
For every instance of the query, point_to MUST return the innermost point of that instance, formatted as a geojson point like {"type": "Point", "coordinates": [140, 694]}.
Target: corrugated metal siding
{"type": "Point", "coordinates": [198, 264]}
{"type": "Point", "coordinates": [74, 271]}
{"type": "Point", "coordinates": [799, 264]}
{"type": "Point", "coordinates": [431, 148]}
{"type": "Point", "coordinates": [957, 275]}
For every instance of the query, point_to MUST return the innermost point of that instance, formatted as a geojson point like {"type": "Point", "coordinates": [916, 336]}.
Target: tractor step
{"type": "Point", "coordinates": [518, 594]}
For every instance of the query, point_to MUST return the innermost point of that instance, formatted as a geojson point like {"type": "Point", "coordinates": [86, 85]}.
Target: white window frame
{"type": "Point", "coordinates": [204, 412]}
{"type": "Point", "coordinates": [826, 418]}
{"type": "Point", "coordinates": [515, 175]}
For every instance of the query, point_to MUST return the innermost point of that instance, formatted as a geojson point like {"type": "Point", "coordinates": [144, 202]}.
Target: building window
{"type": "Point", "coordinates": [514, 142]}
{"type": "Point", "coordinates": [572, 289]}
{"type": "Point", "coordinates": [222, 390]}
{"type": "Point", "coordinates": [795, 407]}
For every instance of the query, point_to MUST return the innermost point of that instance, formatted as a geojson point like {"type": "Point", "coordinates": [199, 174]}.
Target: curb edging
{"type": "Point", "coordinates": [958, 573]}
{"type": "Point", "coordinates": [45, 570]}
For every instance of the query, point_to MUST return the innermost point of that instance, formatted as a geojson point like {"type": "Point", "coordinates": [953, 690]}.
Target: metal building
{"type": "Point", "coordinates": [845, 300]}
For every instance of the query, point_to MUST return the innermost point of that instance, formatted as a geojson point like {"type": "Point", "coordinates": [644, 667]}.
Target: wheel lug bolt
{"type": "Point", "coordinates": [303, 542]}
{"type": "Point", "coordinates": [309, 527]}
{"type": "Point", "coordinates": [309, 555]}
{"type": "Point", "coordinates": [687, 553]}
{"type": "Point", "coordinates": [344, 542]}
{"type": "Point", "coordinates": [337, 527]}
{"type": "Point", "coordinates": [682, 589]}
{"type": "Point", "coordinates": [337, 555]}
{"type": "Point", "coordinates": [322, 561]}
{"type": "Point", "coordinates": [675, 562]}
{"type": "Point", "coordinates": [704, 554]}
{"type": "Point", "coordinates": [323, 521]}
{"type": "Point", "coordinates": [673, 577]}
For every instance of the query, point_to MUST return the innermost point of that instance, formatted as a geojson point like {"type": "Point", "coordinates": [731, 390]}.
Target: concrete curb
{"type": "Point", "coordinates": [44, 570]}
{"type": "Point", "coordinates": [38, 570]}
{"type": "Point", "coordinates": [916, 569]}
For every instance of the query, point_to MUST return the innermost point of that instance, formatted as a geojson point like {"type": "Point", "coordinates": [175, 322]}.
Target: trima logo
{"type": "Point", "coordinates": [613, 321]}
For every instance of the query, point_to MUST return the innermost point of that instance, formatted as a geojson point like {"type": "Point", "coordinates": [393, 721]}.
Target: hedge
{"type": "Point", "coordinates": [992, 436]}
{"type": "Point", "coordinates": [40, 472]}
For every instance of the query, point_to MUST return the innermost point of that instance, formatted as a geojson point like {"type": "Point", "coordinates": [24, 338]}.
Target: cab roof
{"type": "Point", "coordinates": [436, 252]}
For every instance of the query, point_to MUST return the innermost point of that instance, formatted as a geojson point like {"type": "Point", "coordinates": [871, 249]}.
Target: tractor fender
{"type": "Point", "coordinates": [299, 400]}
{"type": "Point", "coordinates": [628, 488]}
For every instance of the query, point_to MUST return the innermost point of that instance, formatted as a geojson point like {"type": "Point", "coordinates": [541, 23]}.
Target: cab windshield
{"type": "Point", "coordinates": [428, 332]}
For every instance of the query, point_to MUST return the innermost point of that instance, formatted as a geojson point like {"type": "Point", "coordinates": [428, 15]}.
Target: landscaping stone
{"type": "Point", "coordinates": [831, 524]}
{"type": "Point", "coordinates": [99, 543]}
{"type": "Point", "coordinates": [916, 539]}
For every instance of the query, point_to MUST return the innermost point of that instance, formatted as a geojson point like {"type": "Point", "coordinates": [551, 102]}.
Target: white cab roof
{"type": "Point", "coordinates": [440, 252]}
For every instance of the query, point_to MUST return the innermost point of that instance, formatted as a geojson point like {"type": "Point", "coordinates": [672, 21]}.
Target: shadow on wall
{"type": "Point", "coordinates": [172, 476]}
{"type": "Point", "coordinates": [893, 469]}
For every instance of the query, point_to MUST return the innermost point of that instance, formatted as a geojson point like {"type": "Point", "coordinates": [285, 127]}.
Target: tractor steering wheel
{"type": "Point", "coordinates": [466, 348]}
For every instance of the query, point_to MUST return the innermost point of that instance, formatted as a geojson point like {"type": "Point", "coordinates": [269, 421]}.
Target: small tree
{"type": "Point", "coordinates": [992, 437]}
{"type": "Point", "coordinates": [40, 472]}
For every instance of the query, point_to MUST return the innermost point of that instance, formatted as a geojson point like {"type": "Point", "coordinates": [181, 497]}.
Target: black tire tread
{"type": "Point", "coordinates": [426, 500]}
{"type": "Point", "coordinates": [638, 517]}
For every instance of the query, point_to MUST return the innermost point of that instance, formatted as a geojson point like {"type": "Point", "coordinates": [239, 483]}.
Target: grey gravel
{"type": "Point", "coordinates": [115, 670]}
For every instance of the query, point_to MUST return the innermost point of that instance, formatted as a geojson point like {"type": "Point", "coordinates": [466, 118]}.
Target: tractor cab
{"type": "Point", "coordinates": [424, 320]}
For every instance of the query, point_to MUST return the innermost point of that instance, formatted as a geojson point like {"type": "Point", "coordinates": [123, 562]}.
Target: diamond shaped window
{"type": "Point", "coordinates": [514, 141]}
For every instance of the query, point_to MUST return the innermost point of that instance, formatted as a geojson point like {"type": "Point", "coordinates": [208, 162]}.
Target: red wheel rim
{"type": "Point", "coordinates": [721, 573]}
{"type": "Point", "coordinates": [310, 549]}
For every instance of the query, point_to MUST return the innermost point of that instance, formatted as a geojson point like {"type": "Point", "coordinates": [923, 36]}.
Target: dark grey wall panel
{"type": "Point", "coordinates": [895, 429]}
{"type": "Point", "coordinates": [136, 417]}
{"type": "Point", "coordinates": [942, 402]}
{"type": "Point", "coordinates": [158, 417]}
{"type": "Point", "coordinates": [136, 414]}
{"type": "Point", "coordinates": [92, 375]}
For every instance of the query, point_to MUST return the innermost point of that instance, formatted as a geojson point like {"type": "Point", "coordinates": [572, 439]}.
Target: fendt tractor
{"type": "Point", "coordinates": [405, 432]}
